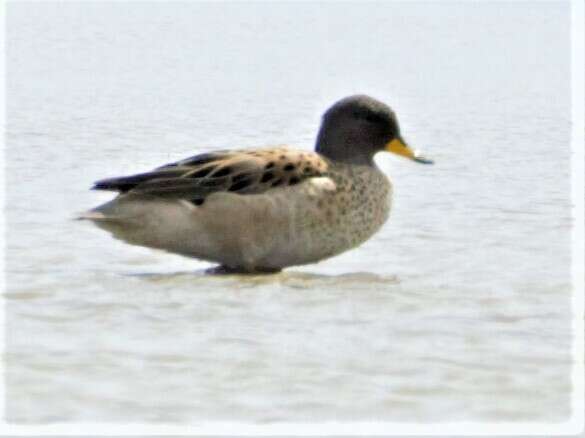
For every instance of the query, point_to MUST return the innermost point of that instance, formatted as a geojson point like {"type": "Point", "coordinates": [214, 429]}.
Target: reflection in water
{"type": "Point", "coordinates": [289, 278]}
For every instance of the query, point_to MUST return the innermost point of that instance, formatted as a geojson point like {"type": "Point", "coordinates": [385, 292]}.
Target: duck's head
{"type": "Point", "coordinates": [354, 129]}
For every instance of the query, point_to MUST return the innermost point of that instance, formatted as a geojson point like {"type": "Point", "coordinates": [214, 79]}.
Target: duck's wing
{"type": "Point", "coordinates": [243, 172]}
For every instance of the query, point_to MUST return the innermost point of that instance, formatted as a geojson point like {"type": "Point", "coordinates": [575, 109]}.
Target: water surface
{"type": "Point", "coordinates": [459, 309]}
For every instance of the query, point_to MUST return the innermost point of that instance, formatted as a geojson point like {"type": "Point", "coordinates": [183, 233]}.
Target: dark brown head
{"type": "Point", "coordinates": [354, 129]}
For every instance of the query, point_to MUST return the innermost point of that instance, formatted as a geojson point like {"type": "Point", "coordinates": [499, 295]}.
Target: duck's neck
{"type": "Point", "coordinates": [343, 150]}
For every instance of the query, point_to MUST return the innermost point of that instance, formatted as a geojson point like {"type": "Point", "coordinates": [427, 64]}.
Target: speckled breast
{"type": "Point", "coordinates": [329, 222]}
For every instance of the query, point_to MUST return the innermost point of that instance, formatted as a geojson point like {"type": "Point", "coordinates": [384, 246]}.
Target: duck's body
{"type": "Point", "coordinates": [254, 210]}
{"type": "Point", "coordinates": [285, 226]}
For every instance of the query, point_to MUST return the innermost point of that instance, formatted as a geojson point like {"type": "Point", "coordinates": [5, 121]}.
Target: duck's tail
{"type": "Point", "coordinates": [98, 216]}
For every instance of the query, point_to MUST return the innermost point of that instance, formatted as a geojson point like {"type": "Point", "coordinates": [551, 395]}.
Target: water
{"type": "Point", "coordinates": [459, 309]}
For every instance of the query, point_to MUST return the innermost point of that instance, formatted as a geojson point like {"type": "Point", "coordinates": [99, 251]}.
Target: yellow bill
{"type": "Point", "coordinates": [399, 147]}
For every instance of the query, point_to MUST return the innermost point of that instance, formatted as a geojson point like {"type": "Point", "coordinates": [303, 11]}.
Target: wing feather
{"type": "Point", "coordinates": [243, 172]}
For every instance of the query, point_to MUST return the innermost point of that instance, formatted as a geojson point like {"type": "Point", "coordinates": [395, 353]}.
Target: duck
{"type": "Point", "coordinates": [265, 209]}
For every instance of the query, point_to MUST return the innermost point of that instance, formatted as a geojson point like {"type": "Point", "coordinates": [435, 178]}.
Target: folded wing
{"type": "Point", "coordinates": [242, 172]}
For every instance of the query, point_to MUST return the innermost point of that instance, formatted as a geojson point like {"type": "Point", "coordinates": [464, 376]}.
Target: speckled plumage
{"type": "Point", "coordinates": [261, 210]}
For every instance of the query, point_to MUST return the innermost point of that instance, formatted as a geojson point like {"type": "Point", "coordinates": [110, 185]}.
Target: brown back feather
{"type": "Point", "coordinates": [243, 172]}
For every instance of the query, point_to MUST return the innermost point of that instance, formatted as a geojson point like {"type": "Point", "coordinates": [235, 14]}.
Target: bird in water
{"type": "Point", "coordinates": [262, 210]}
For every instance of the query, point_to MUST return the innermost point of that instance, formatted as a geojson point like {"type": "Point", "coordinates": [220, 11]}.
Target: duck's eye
{"type": "Point", "coordinates": [367, 116]}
